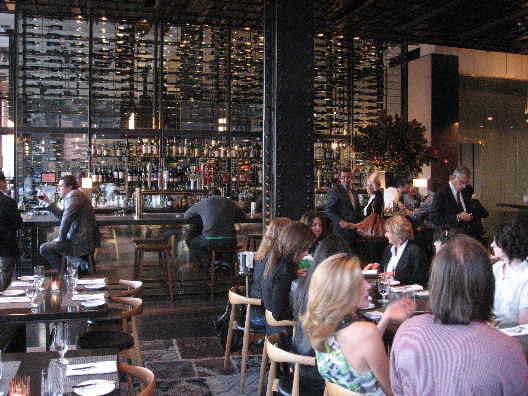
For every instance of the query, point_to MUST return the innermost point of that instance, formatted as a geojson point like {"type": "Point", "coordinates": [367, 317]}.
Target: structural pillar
{"type": "Point", "coordinates": [288, 133]}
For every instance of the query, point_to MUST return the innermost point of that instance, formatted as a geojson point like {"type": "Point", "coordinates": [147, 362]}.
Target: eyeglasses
{"type": "Point", "coordinates": [462, 182]}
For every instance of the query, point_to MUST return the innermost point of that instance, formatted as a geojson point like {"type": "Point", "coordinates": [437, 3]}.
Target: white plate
{"type": "Point", "coordinates": [370, 306]}
{"type": "Point", "coordinates": [394, 283]}
{"type": "Point", "coordinates": [93, 303]}
{"type": "Point", "coordinates": [100, 387]}
{"type": "Point", "coordinates": [370, 272]}
{"type": "Point", "coordinates": [27, 278]}
{"type": "Point", "coordinates": [95, 286]}
{"type": "Point", "coordinates": [13, 292]}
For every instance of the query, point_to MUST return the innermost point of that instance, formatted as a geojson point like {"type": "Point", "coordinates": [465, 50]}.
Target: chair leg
{"type": "Point", "coordinates": [271, 376]}
{"type": "Point", "coordinates": [229, 335]}
{"type": "Point", "coordinates": [136, 264]}
{"type": "Point", "coordinates": [245, 347]}
{"type": "Point", "coordinates": [140, 265]}
{"type": "Point", "coordinates": [92, 264]}
{"type": "Point", "coordinates": [213, 258]}
{"type": "Point", "coordinates": [263, 365]}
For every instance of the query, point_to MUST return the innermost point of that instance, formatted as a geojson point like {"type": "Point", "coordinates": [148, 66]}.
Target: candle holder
{"type": "Point", "coordinates": [55, 286]}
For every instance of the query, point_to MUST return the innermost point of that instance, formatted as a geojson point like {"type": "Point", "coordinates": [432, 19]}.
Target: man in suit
{"type": "Point", "coordinates": [452, 205]}
{"type": "Point", "coordinates": [342, 208]}
{"type": "Point", "coordinates": [78, 233]}
{"type": "Point", "coordinates": [10, 222]}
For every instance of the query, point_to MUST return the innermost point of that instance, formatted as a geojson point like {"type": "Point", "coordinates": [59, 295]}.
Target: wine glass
{"type": "Point", "coordinates": [73, 278]}
{"type": "Point", "coordinates": [39, 276]}
{"type": "Point", "coordinates": [31, 293]}
{"type": "Point", "coordinates": [61, 338]}
{"type": "Point", "coordinates": [383, 288]}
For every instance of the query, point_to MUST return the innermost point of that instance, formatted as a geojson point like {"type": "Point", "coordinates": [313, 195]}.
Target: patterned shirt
{"type": "Point", "coordinates": [334, 367]}
{"type": "Point", "coordinates": [423, 210]}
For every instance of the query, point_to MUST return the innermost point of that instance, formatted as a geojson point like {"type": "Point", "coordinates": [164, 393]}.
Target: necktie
{"type": "Point", "coordinates": [352, 198]}
{"type": "Point", "coordinates": [459, 202]}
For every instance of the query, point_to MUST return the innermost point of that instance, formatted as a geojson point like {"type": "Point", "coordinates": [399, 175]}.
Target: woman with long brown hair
{"type": "Point", "coordinates": [282, 268]}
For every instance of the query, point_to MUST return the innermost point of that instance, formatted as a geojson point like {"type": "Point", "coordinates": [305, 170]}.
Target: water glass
{"type": "Point", "coordinates": [39, 276]}
{"type": "Point", "coordinates": [45, 383]}
{"type": "Point", "coordinates": [383, 288]}
{"type": "Point", "coordinates": [31, 293]}
{"type": "Point", "coordinates": [61, 340]}
{"type": "Point", "coordinates": [73, 278]}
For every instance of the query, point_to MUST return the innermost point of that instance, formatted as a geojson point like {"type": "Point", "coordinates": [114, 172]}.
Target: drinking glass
{"type": "Point", "coordinates": [39, 276]}
{"type": "Point", "coordinates": [61, 339]}
{"type": "Point", "coordinates": [73, 278]}
{"type": "Point", "coordinates": [45, 386]}
{"type": "Point", "coordinates": [31, 293]}
{"type": "Point", "coordinates": [383, 288]}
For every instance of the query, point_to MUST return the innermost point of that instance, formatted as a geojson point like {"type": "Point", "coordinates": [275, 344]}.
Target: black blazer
{"type": "Point", "coordinates": [412, 266]}
{"type": "Point", "coordinates": [444, 209]}
{"type": "Point", "coordinates": [10, 222]}
{"type": "Point", "coordinates": [376, 203]}
{"type": "Point", "coordinates": [339, 207]}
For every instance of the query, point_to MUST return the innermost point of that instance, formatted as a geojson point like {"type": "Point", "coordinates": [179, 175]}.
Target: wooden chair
{"type": "Point", "coordinates": [332, 389]}
{"type": "Point", "coordinates": [236, 299]}
{"type": "Point", "coordinates": [125, 341]}
{"type": "Point", "coordinates": [145, 376]}
{"type": "Point", "coordinates": [272, 322]}
{"type": "Point", "coordinates": [213, 251]}
{"type": "Point", "coordinates": [278, 355]}
{"type": "Point", "coordinates": [135, 288]}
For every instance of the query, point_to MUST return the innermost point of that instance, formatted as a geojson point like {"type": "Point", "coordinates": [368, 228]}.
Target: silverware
{"type": "Point", "coordinates": [83, 368]}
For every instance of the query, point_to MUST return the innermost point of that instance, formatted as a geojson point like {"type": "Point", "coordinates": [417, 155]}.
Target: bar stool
{"type": "Point", "coordinates": [253, 239]}
{"type": "Point", "coordinates": [144, 241]}
{"type": "Point", "coordinates": [90, 262]}
{"type": "Point", "coordinates": [213, 251]}
{"type": "Point", "coordinates": [163, 263]}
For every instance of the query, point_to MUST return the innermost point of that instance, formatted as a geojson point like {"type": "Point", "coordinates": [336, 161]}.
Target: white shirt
{"type": "Point", "coordinates": [396, 255]}
{"type": "Point", "coordinates": [454, 191]}
{"type": "Point", "coordinates": [368, 203]}
{"type": "Point", "coordinates": [511, 293]}
{"type": "Point", "coordinates": [391, 194]}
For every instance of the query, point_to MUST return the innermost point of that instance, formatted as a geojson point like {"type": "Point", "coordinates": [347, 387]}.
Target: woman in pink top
{"type": "Point", "coordinates": [453, 351]}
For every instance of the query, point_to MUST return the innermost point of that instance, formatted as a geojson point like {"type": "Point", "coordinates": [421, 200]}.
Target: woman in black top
{"type": "Point", "coordinates": [318, 226]}
{"type": "Point", "coordinates": [374, 249]}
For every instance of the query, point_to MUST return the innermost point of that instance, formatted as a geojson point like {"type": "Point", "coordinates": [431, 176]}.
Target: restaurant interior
{"type": "Point", "coordinates": [154, 101]}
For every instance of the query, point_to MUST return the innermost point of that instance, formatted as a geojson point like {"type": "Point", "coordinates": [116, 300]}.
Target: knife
{"type": "Point", "coordinates": [101, 382]}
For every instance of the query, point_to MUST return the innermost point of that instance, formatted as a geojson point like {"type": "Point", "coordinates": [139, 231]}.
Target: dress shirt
{"type": "Point", "coordinates": [368, 203]}
{"type": "Point", "coordinates": [393, 263]}
{"type": "Point", "coordinates": [455, 195]}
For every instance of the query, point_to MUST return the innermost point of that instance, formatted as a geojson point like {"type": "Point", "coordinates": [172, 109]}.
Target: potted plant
{"type": "Point", "coordinates": [394, 145]}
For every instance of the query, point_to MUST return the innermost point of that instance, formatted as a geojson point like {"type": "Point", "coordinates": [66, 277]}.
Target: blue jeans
{"type": "Point", "coordinates": [52, 250]}
{"type": "Point", "coordinates": [199, 245]}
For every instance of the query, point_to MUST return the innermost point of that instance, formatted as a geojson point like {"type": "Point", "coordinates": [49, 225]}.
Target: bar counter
{"type": "Point", "coordinates": [37, 221]}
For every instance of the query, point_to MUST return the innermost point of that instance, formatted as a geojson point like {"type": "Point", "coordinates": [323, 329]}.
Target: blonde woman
{"type": "Point", "coordinates": [261, 257]}
{"type": "Point", "coordinates": [402, 259]}
{"type": "Point", "coordinates": [350, 352]}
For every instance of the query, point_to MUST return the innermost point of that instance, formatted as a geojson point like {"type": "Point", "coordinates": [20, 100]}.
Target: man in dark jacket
{"type": "Point", "coordinates": [10, 222]}
{"type": "Point", "coordinates": [342, 208]}
{"type": "Point", "coordinates": [218, 215]}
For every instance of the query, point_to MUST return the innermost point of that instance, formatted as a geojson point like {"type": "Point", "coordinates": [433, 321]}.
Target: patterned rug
{"type": "Point", "coordinates": [195, 367]}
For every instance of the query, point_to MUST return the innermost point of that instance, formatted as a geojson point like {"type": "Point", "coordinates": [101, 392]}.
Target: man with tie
{"type": "Point", "coordinates": [452, 203]}
{"type": "Point", "coordinates": [78, 233]}
{"type": "Point", "coordinates": [342, 208]}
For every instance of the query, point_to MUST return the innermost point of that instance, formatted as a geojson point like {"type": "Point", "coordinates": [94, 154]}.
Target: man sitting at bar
{"type": "Point", "coordinates": [78, 233]}
{"type": "Point", "coordinates": [10, 222]}
{"type": "Point", "coordinates": [394, 195]}
{"type": "Point", "coordinates": [218, 215]}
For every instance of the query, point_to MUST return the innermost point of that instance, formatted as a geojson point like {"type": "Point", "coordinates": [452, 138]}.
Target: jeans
{"type": "Point", "coordinates": [200, 244]}
{"type": "Point", "coordinates": [51, 251]}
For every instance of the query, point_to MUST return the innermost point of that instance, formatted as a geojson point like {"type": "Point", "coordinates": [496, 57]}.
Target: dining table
{"type": "Point", "coordinates": [421, 298]}
{"type": "Point", "coordinates": [55, 302]}
{"type": "Point", "coordinates": [31, 364]}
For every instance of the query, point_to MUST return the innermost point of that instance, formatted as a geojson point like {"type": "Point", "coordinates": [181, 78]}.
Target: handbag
{"type": "Point", "coordinates": [372, 228]}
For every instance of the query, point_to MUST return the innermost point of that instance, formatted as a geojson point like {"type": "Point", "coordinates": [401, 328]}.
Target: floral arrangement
{"type": "Point", "coordinates": [394, 145]}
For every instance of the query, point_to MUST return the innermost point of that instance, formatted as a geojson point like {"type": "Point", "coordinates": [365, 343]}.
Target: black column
{"type": "Point", "coordinates": [288, 108]}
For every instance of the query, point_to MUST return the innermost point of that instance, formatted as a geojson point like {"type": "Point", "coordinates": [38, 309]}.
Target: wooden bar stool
{"type": "Point", "coordinates": [253, 239]}
{"type": "Point", "coordinates": [144, 241]}
{"type": "Point", "coordinates": [163, 262]}
{"type": "Point", "coordinates": [213, 251]}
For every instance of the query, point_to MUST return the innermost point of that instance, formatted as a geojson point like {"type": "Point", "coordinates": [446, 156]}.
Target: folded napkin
{"type": "Point", "coordinates": [91, 281]}
{"type": "Point", "coordinates": [516, 331]}
{"type": "Point", "coordinates": [18, 284]}
{"type": "Point", "coordinates": [374, 315]}
{"type": "Point", "coordinates": [408, 288]}
{"type": "Point", "coordinates": [91, 368]}
{"type": "Point", "coordinates": [14, 299]}
{"type": "Point", "coordinates": [88, 296]}
{"type": "Point", "coordinates": [370, 272]}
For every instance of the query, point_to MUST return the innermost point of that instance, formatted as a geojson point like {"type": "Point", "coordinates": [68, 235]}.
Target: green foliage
{"type": "Point", "coordinates": [395, 145]}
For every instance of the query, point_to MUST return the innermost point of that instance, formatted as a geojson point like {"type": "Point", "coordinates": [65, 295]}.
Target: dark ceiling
{"type": "Point", "coordinates": [487, 25]}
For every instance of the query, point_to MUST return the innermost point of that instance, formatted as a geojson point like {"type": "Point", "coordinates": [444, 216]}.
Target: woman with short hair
{"type": "Point", "coordinates": [402, 259]}
{"type": "Point", "coordinates": [350, 351]}
{"type": "Point", "coordinates": [453, 351]}
{"type": "Point", "coordinates": [374, 249]}
{"type": "Point", "coordinates": [510, 245]}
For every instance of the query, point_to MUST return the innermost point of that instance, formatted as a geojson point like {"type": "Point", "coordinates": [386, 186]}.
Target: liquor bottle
{"type": "Point", "coordinates": [115, 173]}
{"type": "Point", "coordinates": [121, 174]}
{"type": "Point", "coordinates": [174, 148]}
{"type": "Point", "coordinates": [95, 175]}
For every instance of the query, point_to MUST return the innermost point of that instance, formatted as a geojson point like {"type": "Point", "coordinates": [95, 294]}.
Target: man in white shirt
{"type": "Point", "coordinates": [395, 194]}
